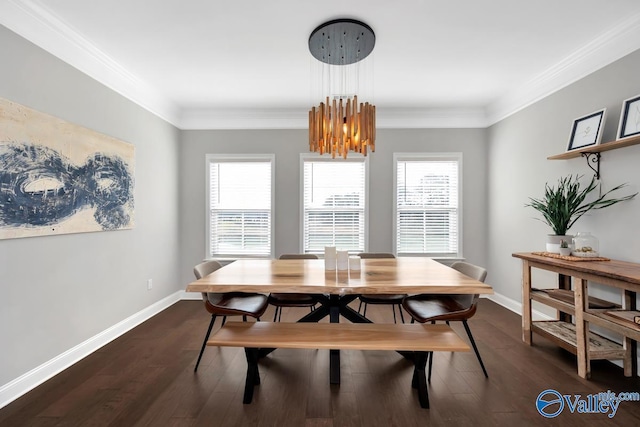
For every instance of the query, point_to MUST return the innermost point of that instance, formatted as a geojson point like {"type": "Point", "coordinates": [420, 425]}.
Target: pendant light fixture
{"type": "Point", "coordinates": [340, 123]}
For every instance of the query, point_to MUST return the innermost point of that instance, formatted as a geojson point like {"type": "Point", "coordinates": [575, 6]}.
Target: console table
{"type": "Point", "coordinates": [575, 336]}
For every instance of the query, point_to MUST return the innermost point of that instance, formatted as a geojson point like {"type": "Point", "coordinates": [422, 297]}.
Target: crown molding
{"type": "Point", "coordinates": [31, 20]}
{"type": "Point", "coordinates": [387, 118]}
{"type": "Point", "coordinates": [243, 118]}
{"type": "Point", "coordinates": [604, 50]}
{"type": "Point", "coordinates": [415, 118]}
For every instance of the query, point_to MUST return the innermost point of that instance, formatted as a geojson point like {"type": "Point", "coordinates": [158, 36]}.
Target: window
{"type": "Point", "coordinates": [334, 204]}
{"type": "Point", "coordinates": [427, 191]}
{"type": "Point", "coordinates": [240, 205]}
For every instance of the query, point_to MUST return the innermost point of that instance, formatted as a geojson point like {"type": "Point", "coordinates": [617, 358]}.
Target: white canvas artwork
{"type": "Point", "coordinates": [57, 177]}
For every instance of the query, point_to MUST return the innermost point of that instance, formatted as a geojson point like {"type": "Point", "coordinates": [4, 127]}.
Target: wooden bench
{"type": "Point", "coordinates": [419, 340]}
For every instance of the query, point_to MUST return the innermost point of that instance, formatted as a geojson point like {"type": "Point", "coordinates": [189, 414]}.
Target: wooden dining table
{"type": "Point", "coordinates": [335, 289]}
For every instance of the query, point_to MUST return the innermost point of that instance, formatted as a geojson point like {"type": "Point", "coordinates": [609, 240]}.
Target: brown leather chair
{"type": "Point", "coordinates": [393, 300]}
{"type": "Point", "coordinates": [431, 308]}
{"type": "Point", "coordinates": [280, 300]}
{"type": "Point", "coordinates": [227, 304]}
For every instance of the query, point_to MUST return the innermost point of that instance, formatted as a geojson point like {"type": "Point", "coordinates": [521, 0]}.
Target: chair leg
{"type": "Point", "coordinates": [365, 310]}
{"type": "Point", "coordinates": [475, 348]}
{"type": "Point", "coordinates": [433, 322]}
{"type": "Point", "coordinates": [204, 343]}
{"type": "Point", "coordinates": [275, 314]}
{"type": "Point", "coordinates": [359, 306]}
{"type": "Point", "coordinates": [400, 310]}
{"type": "Point", "coordinates": [280, 315]}
{"type": "Point", "coordinates": [413, 320]}
{"type": "Point", "coordinates": [224, 320]}
{"type": "Point", "coordinates": [393, 308]}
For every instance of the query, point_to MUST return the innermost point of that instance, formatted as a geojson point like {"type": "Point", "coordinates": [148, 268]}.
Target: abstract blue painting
{"type": "Point", "coordinates": [58, 178]}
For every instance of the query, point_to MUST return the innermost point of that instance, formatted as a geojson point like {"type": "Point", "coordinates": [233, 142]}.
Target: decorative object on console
{"type": "Point", "coordinates": [585, 245]}
{"type": "Point", "coordinates": [570, 257]}
{"type": "Point", "coordinates": [563, 205]}
{"type": "Point", "coordinates": [629, 118]}
{"type": "Point", "coordinates": [341, 124]}
{"type": "Point", "coordinates": [564, 248]}
{"type": "Point", "coordinates": [587, 131]}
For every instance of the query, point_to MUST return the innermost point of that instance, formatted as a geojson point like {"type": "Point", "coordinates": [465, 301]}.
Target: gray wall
{"type": "Point", "coordinates": [58, 291]}
{"type": "Point", "coordinates": [518, 148]}
{"type": "Point", "coordinates": [287, 146]}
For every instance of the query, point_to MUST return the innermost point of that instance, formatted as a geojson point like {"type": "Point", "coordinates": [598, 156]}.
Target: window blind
{"type": "Point", "coordinates": [334, 205]}
{"type": "Point", "coordinates": [240, 208]}
{"type": "Point", "coordinates": [427, 206]}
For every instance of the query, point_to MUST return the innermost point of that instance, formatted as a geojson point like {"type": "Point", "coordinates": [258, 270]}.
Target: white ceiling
{"type": "Point", "coordinates": [246, 63]}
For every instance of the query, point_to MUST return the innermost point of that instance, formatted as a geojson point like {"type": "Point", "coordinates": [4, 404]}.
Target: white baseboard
{"type": "Point", "coordinates": [30, 380]}
{"type": "Point", "coordinates": [515, 306]}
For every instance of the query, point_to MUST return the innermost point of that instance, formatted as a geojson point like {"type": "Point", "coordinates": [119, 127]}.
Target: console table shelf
{"type": "Point", "coordinates": [564, 335]}
{"type": "Point", "coordinates": [602, 318]}
{"type": "Point", "coordinates": [544, 298]}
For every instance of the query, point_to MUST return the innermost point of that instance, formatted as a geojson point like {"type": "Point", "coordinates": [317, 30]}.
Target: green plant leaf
{"type": "Point", "coordinates": [564, 204]}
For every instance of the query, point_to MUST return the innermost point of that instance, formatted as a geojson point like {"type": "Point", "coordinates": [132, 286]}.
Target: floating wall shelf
{"type": "Point", "coordinates": [592, 154]}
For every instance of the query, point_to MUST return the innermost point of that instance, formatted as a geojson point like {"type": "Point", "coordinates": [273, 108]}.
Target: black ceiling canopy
{"type": "Point", "coordinates": [342, 42]}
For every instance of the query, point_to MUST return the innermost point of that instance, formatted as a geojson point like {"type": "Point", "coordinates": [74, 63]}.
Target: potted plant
{"type": "Point", "coordinates": [563, 205]}
{"type": "Point", "coordinates": [564, 248]}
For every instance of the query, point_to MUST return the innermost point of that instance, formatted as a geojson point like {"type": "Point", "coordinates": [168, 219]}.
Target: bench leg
{"type": "Point", "coordinates": [253, 376]}
{"type": "Point", "coordinates": [419, 380]}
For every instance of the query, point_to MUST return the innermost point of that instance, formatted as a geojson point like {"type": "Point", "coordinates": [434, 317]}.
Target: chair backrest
{"type": "Point", "coordinates": [299, 256]}
{"type": "Point", "coordinates": [203, 269]}
{"type": "Point", "coordinates": [475, 272]}
{"type": "Point", "coordinates": [364, 255]}
{"type": "Point", "coordinates": [471, 270]}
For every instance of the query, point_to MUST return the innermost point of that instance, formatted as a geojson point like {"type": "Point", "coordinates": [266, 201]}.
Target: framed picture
{"type": "Point", "coordinates": [587, 131]}
{"type": "Point", "coordinates": [630, 118]}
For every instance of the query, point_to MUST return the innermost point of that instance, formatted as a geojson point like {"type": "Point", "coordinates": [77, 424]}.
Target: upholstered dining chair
{"type": "Point", "coordinates": [431, 308]}
{"type": "Point", "coordinates": [227, 304]}
{"type": "Point", "coordinates": [280, 300]}
{"type": "Point", "coordinates": [393, 300]}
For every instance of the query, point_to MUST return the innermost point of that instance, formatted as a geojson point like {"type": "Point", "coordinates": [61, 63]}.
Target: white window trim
{"type": "Point", "coordinates": [325, 158]}
{"type": "Point", "coordinates": [211, 158]}
{"type": "Point", "coordinates": [426, 156]}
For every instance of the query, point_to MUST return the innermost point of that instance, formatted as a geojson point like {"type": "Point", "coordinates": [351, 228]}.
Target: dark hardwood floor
{"type": "Point", "coordinates": [145, 378]}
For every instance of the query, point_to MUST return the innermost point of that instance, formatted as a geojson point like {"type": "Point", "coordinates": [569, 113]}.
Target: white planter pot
{"type": "Point", "coordinates": [553, 242]}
